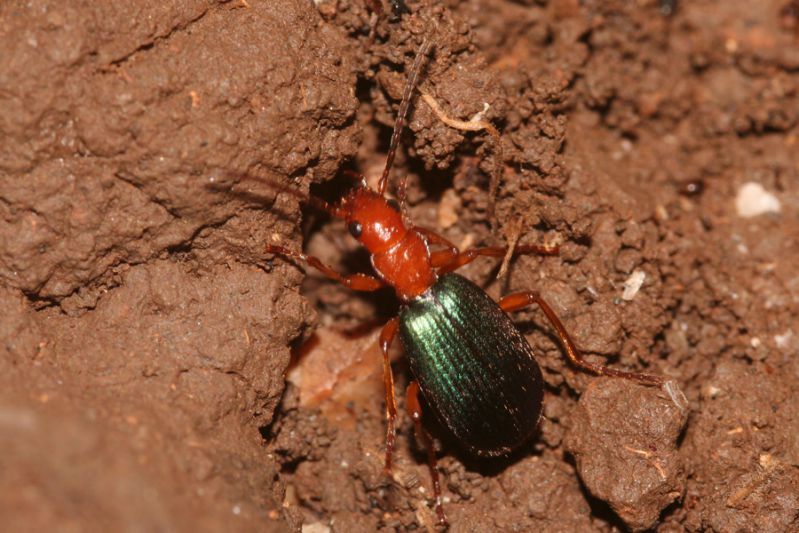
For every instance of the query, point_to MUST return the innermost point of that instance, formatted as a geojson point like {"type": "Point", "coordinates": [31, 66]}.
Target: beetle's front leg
{"type": "Point", "coordinates": [520, 300]}
{"type": "Point", "coordinates": [414, 408]}
{"type": "Point", "coordinates": [387, 335]}
{"type": "Point", "coordinates": [357, 282]}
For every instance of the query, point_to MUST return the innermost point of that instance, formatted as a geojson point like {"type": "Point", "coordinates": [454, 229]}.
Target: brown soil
{"type": "Point", "coordinates": [146, 333]}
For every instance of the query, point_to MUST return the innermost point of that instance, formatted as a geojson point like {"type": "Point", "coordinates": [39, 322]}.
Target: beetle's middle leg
{"type": "Point", "coordinates": [387, 335]}
{"type": "Point", "coordinates": [414, 408]}
{"type": "Point", "coordinates": [451, 258]}
{"type": "Point", "coordinates": [520, 300]}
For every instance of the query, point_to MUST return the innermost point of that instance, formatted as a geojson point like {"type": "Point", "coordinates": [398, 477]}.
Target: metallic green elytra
{"type": "Point", "coordinates": [474, 368]}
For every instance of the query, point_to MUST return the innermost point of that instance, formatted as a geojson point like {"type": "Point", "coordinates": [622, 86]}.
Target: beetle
{"type": "Point", "coordinates": [474, 369]}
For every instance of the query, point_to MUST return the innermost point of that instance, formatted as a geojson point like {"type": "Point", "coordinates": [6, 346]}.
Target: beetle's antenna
{"type": "Point", "coordinates": [313, 201]}
{"type": "Point", "coordinates": [403, 112]}
{"type": "Point", "coordinates": [317, 203]}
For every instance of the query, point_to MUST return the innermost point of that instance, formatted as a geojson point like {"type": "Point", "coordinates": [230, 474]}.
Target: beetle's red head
{"type": "Point", "coordinates": [376, 222]}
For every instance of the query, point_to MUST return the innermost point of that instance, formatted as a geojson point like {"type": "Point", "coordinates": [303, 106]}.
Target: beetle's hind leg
{"type": "Point", "coordinates": [520, 300]}
{"type": "Point", "coordinates": [414, 408]}
{"type": "Point", "coordinates": [387, 335]}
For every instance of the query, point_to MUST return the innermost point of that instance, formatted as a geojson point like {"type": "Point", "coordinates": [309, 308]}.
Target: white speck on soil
{"type": "Point", "coordinates": [784, 339]}
{"type": "Point", "coordinates": [316, 527]}
{"type": "Point", "coordinates": [633, 284]}
{"type": "Point", "coordinates": [753, 200]}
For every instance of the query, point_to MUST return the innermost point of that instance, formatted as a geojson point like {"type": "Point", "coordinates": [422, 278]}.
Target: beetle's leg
{"type": "Point", "coordinates": [467, 256]}
{"type": "Point", "coordinates": [519, 300]}
{"type": "Point", "coordinates": [452, 259]}
{"type": "Point", "coordinates": [387, 335]}
{"type": "Point", "coordinates": [358, 282]}
{"type": "Point", "coordinates": [414, 408]}
{"type": "Point", "coordinates": [438, 258]}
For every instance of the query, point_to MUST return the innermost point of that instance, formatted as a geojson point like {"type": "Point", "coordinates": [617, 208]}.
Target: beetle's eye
{"type": "Point", "coordinates": [393, 204]}
{"type": "Point", "coordinates": [355, 229]}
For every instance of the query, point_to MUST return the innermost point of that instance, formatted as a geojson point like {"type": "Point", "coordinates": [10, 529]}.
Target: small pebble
{"type": "Point", "coordinates": [633, 284]}
{"type": "Point", "coordinates": [754, 200]}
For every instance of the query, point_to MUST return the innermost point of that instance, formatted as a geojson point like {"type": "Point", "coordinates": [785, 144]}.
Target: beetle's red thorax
{"type": "Point", "coordinates": [406, 266]}
{"type": "Point", "coordinates": [399, 254]}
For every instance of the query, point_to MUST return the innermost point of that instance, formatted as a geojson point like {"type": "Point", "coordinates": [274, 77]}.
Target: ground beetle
{"type": "Point", "coordinates": [470, 363]}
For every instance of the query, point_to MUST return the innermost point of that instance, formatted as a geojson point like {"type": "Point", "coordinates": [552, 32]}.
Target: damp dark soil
{"type": "Point", "coordinates": [160, 371]}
